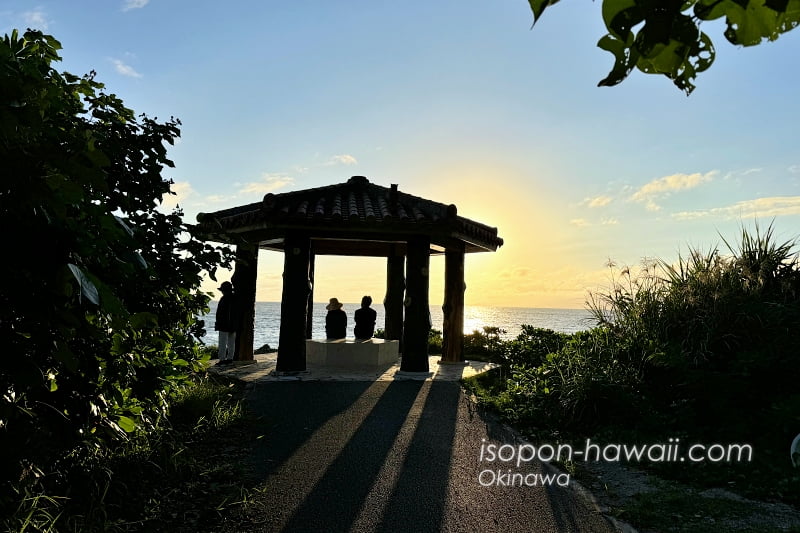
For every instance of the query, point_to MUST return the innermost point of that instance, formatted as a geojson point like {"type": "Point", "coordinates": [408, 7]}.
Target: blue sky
{"type": "Point", "coordinates": [460, 102]}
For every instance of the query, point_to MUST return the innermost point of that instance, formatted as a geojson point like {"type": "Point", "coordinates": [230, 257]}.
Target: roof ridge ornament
{"type": "Point", "coordinates": [269, 201]}
{"type": "Point", "coordinates": [358, 181]}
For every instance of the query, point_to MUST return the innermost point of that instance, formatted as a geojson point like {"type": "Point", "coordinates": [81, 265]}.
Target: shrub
{"type": "Point", "coordinates": [485, 345]}
{"type": "Point", "coordinates": [532, 345]}
{"type": "Point", "coordinates": [593, 378]}
{"type": "Point", "coordinates": [706, 346]}
{"type": "Point", "coordinates": [99, 302]}
{"type": "Point", "coordinates": [724, 330]}
{"type": "Point", "coordinates": [434, 341]}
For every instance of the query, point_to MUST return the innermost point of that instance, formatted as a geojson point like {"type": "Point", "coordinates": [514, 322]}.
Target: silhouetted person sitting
{"type": "Point", "coordinates": [227, 323]}
{"type": "Point", "coordinates": [365, 319]}
{"type": "Point", "coordinates": [335, 321]}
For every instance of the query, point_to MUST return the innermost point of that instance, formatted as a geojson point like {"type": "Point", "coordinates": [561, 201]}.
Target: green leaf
{"type": "Point", "coordinates": [88, 289]}
{"type": "Point", "coordinates": [124, 225]}
{"type": "Point", "coordinates": [127, 424]}
{"type": "Point", "coordinates": [620, 16]}
{"type": "Point", "coordinates": [144, 320]}
{"type": "Point", "coordinates": [109, 301]}
{"type": "Point", "coordinates": [625, 58]}
{"type": "Point", "coordinates": [662, 59]}
{"type": "Point", "coordinates": [751, 22]}
{"type": "Point", "coordinates": [67, 190]}
{"type": "Point", "coordinates": [140, 260]}
{"type": "Point", "coordinates": [538, 7]}
{"type": "Point", "coordinates": [66, 356]}
{"type": "Point", "coordinates": [98, 157]}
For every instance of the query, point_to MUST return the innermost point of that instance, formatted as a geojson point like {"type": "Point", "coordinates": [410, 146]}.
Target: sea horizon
{"type": "Point", "coordinates": [377, 303]}
{"type": "Point", "coordinates": [476, 317]}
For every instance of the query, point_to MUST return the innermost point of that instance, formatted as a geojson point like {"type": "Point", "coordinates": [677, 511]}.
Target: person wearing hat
{"type": "Point", "coordinates": [227, 323]}
{"type": "Point", "coordinates": [335, 321]}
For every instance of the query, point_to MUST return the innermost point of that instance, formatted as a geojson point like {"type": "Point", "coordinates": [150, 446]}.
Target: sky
{"type": "Point", "coordinates": [456, 101]}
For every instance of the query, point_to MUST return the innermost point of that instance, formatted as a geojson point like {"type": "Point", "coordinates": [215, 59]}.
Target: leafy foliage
{"type": "Point", "coordinates": [703, 349]}
{"type": "Point", "coordinates": [532, 345]}
{"type": "Point", "coordinates": [481, 345]}
{"type": "Point", "coordinates": [724, 330]}
{"type": "Point", "coordinates": [177, 476]}
{"type": "Point", "coordinates": [664, 37]}
{"type": "Point", "coordinates": [100, 289]}
{"type": "Point", "coordinates": [591, 380]}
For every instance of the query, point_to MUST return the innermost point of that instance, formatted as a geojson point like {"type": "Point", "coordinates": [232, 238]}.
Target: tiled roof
{"type": "Point", "coordinates": [354, 205]}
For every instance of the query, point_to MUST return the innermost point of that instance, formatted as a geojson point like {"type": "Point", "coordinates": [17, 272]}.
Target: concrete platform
{"type": "Point", "coordinates": [263, 371]}
{"type": "Point", "coordinates": [351, 353]}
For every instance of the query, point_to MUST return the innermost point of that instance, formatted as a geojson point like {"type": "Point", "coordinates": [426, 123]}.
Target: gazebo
{"type": "Point", "coordinates": [356, 218]}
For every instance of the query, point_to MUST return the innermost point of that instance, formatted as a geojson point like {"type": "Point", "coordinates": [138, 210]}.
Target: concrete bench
{"type": "Point", "coordinates": [351, 353]}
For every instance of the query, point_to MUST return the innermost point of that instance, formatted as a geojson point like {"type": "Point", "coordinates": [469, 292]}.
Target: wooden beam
{"type": "Point", "coordinates": [356, 247]}
{"type": "Point", "coordinates": [294, 303]}
{"type": "Point", "coordinates": [244, 284]}
{"type": "Point", "coordinates": [393, 302]}
{"type": "Point", "coordinates": [310, 304]}
{"type": "Point", "coordinates": [417, 312]}
{"type": "Point", "coordinates": [453, 308]}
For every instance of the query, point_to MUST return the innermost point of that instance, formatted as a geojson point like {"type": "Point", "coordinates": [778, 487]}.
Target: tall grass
{"type": "Point", "coordinates": [706, 348]}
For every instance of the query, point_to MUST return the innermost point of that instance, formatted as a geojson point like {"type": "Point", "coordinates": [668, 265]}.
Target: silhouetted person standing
{"type": "Point", "coordinates": [227, 323]}
{"type": "Point", "coordinates": [365, 319]}
{"type": "Point", "coordinates": [335, 321]}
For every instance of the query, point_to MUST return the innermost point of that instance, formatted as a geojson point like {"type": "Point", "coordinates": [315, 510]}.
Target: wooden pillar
{"type": "Point", "coordinates": [417, 311]}
{"type": "Point", "coordinates": [294, 303]}
{"type": "Point", "coordinates": [453, 308]}
{"type": "Point", "coordinates": [393, 302]}
{"type": "Point", "coordinates": [310, 305]}
{"type": "Point", "coordinates": [244, 286]}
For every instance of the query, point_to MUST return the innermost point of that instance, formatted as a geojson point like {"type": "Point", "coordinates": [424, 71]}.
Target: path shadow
{"type": "Point", "coordinates": [421, 489]}
{"type": "Point", "coordinates": [289, 414]}
{"type": "Point", "coordinates": [351, 456]}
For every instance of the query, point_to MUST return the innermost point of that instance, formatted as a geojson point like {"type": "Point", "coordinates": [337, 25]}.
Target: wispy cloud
{"type": "Point", "coordinates": [583, 223]}
{"type": "Point", "coordinates": [35, 19]}
{"type": "Point", "coordinates": [598, 201]}
{"type": "Point", "coordinates": [529, 281]}
{"type": "Point", "coordinates": [794, 169]}
{"type": "Point", "coordinates": [183, 190]}
{"type": "Point", "coordinates": [342, 159]}
{"type": "Point", "coordinates": [659, 188]}
{"type": "Point", "coordinates": [751, 171]}
{"type": "Point", "coordinates": [267, 183]}
{"type": "Point", "coordinates": [773, 206]}
{"type": "Point", "coordinates": [134, 4]}
{"type": "Point", "coordinates": [126, 70]}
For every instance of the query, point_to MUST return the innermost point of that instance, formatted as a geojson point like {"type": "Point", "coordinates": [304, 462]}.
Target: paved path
{"type": "Point", "coordinates": [262, 370]}
{"type": "Point", "coordinates": [389, 456]}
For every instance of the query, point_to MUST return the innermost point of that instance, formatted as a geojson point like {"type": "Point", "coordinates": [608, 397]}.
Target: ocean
{"type": "Point", "coordinates": [267, 320]}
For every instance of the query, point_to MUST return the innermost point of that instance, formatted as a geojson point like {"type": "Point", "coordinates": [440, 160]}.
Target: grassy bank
{"type": "Point", "coordinates": [704, 350]}
{"type": "Point", "coordinates": [182, 473]}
